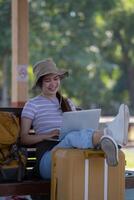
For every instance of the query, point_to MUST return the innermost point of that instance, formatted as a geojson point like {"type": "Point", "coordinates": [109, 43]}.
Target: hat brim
{"type": "Point", "coordinates": [61, 73]}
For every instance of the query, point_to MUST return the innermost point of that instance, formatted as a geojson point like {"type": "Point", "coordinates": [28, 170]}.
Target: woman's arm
{"type": "Point", "coordinates": [26, 138]}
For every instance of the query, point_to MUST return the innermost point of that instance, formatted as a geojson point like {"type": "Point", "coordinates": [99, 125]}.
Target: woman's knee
{"type": "Point", "coordinates": [96, 137]}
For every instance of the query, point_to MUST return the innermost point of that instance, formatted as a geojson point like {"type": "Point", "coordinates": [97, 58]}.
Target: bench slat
{"type": "Point", "coordinates": [36, 187]}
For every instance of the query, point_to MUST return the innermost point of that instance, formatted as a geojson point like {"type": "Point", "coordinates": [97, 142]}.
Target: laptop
{"type": "Point", "coordinates": [78, 120]}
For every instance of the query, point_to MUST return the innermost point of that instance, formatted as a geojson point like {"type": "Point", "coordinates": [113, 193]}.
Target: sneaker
{"type": "Point", "coordinates": [118, 128]}
{"type": "Point", "coordinates": [110, 148]}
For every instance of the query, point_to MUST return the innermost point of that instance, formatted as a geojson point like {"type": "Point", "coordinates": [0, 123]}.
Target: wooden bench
{"type": "Point", "coordinates": [129, 179]}
{"type": "Point", "coordinates": [31, 184]}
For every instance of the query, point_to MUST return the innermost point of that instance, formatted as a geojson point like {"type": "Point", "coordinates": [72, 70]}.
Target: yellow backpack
{"type": "Point", "coordinates": [12, 156]}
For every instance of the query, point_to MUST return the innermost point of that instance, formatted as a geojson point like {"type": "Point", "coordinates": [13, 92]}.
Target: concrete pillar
{"type": "Point", "coordinates": [20, 21]}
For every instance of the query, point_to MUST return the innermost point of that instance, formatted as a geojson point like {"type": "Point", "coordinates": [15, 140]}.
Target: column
{"type": "Point", "coordinates": [20, 21]}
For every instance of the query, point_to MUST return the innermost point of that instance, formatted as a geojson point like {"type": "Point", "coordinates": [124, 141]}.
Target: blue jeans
{"type": "Point", "coordinates": [76, 139]}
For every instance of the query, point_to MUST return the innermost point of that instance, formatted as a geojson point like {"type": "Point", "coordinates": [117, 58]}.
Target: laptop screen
{"type": "Point", "coordinates": [77, 120]}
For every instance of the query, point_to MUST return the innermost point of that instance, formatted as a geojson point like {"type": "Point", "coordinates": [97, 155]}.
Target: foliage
{"type": "Point", "coordinates": [5, 24]}
{"type": "Point", "coordinates": [91, 38]}
{"type": "Point", "coordinates": [129, 158]}
{"type": "Point", "coordinates": [5, 46]}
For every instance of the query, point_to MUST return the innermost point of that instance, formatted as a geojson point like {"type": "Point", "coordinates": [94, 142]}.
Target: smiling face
{"type": "Point", "coordinates": [50, 85]}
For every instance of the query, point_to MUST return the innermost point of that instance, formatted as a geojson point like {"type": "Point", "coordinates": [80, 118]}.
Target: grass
{"type": "Point", "coordinates": [129, 155]}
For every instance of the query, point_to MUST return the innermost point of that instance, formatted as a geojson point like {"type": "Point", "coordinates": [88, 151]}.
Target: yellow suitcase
{"type": "Point", "coordinates": [84, 175]}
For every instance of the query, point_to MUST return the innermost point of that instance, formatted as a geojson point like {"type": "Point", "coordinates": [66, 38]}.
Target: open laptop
{"type": "Point", "coordinates": [78, 120]}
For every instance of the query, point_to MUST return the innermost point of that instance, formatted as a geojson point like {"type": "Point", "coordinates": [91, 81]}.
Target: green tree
{"type": "Point", "coordinates": [77, 35]}
{"type": "Point", "coordinates": [5, 51]}
{"type": "Point", "coordinates": [94, 39]}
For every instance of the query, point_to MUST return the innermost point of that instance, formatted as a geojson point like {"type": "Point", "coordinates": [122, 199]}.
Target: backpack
{"type": "Point", "coordinates": [12, 156]}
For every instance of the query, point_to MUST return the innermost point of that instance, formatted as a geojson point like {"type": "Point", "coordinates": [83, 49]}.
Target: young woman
{"type": "Point", "coordinates": [44, 112]}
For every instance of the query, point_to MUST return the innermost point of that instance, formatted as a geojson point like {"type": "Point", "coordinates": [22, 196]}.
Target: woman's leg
{"type": "Point", "coordinates": [117, 129]}
{"type": "Point", "coordinates": [45, 165]}
{"type": "Point", "coordinates": [75, 139]}
{"type": "Point", "coordinates": [84, 139]}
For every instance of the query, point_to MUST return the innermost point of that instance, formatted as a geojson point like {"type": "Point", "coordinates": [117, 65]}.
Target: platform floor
{"type": "Point", "coordinates": [129, 194]}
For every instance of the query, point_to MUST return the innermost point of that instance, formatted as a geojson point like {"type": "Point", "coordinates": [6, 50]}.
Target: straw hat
{"type": "Point", "coordinates": [45, 67]}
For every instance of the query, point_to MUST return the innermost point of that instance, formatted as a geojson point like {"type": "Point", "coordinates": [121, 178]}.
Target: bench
{"type": "Point", "coordinates": [31, 184]}
{"type": "Point", "coordinates": [129, 179]}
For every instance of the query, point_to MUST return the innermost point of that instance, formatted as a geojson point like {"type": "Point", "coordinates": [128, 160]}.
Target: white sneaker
{"type": "Point", "coordinates": [109, 146]}
{"type": "Point", "coordinates": [118, 128]}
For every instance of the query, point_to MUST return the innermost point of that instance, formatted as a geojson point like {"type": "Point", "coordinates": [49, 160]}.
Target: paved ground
{"type": "Point", "coordinates": [129, 194]}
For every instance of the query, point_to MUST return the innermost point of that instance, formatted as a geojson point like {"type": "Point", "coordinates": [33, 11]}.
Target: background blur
{"type": "Point", "coordinates": [93, 39]}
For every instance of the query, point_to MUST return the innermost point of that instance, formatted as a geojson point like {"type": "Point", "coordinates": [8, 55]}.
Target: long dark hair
{"type": "Point", "coordinates": [65, 107]}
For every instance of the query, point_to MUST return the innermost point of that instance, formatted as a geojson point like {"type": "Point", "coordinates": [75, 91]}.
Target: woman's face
{"type": "Point", "coordinates": [50, 84]}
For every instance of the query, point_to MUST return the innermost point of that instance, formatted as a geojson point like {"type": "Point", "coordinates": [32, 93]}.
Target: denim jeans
{"type": "Point", "coordinates": [76, 139]}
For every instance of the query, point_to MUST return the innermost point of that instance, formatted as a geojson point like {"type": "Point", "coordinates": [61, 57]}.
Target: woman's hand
{"type": "Point", "coordinates": [53, 134]}
{"type": "Point", "coordinates": [27, 139]}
